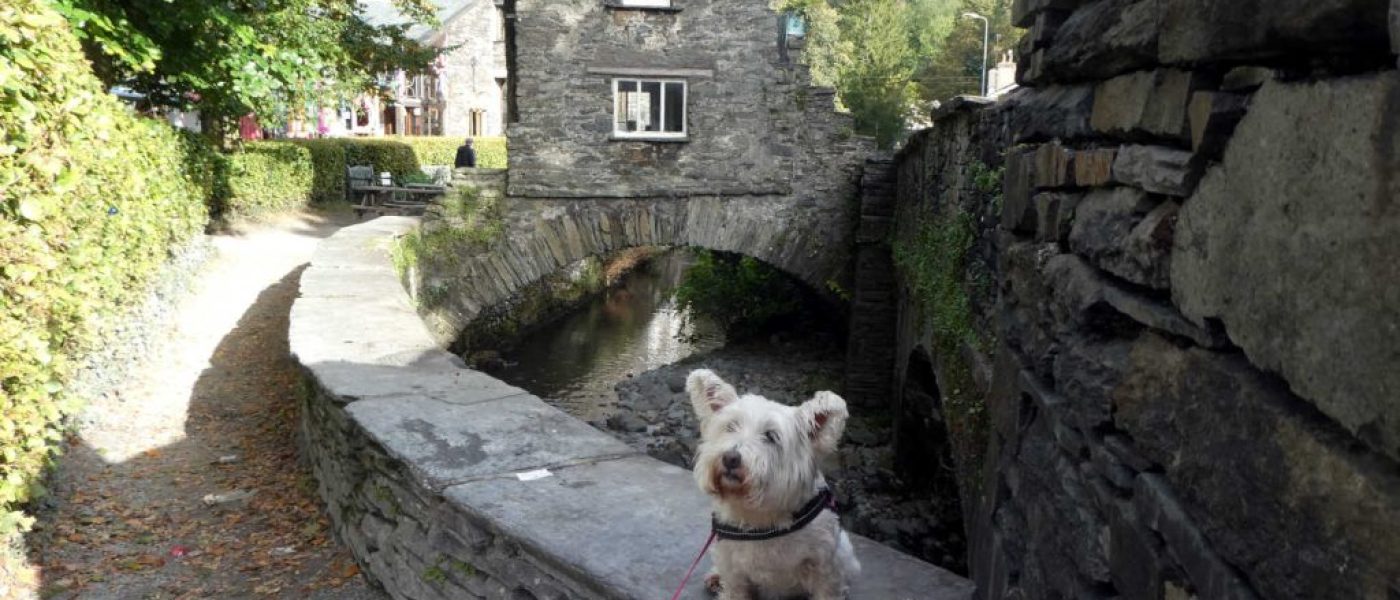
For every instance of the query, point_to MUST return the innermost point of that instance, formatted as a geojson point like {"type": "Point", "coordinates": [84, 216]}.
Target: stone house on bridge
{"type": "Point", "coordinates": [669, 98]}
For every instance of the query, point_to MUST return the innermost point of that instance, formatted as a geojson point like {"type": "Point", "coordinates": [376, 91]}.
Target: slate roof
{"type": "Point", "coordinates": [384, 12]}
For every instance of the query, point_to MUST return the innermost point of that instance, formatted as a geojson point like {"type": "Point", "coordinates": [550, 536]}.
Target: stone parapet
{"type": "Point", "coordinates": [425, 465]}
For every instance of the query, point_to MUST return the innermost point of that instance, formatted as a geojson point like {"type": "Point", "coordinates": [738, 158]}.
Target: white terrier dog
{"type": "Point", "coordinates": [777, 537]}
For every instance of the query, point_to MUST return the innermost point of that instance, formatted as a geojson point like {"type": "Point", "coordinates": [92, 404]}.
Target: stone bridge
{"type": "Point", "coordinates": [447, 483]}
{"type": "Point", "coordinates": [810, 239]}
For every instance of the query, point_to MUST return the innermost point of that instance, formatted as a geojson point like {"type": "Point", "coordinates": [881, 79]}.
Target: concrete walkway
{"type": "Point", "coordinates": [141, 506]}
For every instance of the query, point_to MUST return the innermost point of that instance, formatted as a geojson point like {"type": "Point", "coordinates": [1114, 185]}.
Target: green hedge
{"type": "Point", "coordinates": [92, 201]}
{"type": "Point", "coordinates": [265, 177]}
{"type": "Point", "coordinates": [398, 155]}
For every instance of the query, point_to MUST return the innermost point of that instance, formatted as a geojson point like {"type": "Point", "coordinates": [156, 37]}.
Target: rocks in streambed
{"type": "Point", "coordinates": [653, 414]}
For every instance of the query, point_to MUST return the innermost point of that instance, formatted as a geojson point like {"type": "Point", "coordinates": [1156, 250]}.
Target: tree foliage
{"type": "Point", "coordinates": [744, 296]}
{"type": "Point", "coordinates": [875, 81]}
{"type": "Point", "coordinates": [889, 60]}
{"type": "Point", "coordinates": [235, 57]}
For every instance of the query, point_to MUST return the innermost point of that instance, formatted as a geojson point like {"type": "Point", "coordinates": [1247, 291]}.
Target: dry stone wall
{"type": "Point", "coordinates": [1192, 385]}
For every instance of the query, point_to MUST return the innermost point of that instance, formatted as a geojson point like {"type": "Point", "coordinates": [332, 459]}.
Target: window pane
{"type": "Point", "coordinates": [649, 106]}
{"type": "Point", "coordinates": [623, 109]}
{"type": "Point", "coordinates": [675, 108]}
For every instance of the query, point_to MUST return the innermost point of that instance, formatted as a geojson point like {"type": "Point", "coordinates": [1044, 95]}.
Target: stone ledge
{"type": "Point", "coordinates": [416, 457]}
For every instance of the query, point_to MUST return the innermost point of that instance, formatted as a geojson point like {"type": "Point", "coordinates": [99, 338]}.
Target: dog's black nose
{"type": "Point", "coordinates": [731, 460]}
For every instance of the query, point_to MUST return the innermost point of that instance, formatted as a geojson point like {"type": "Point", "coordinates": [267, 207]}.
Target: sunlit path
{"type": "Point", "coordinates": [184, 484]}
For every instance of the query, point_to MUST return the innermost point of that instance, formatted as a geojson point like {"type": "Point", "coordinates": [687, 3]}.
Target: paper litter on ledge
{"type": "Point", "coordinates": [533, 475]}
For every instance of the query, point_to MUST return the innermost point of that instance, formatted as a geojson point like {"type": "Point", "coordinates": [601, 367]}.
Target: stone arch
{"type": "Point", "coordinates": [544, 236]}
{"type": "Point", "coordinates": [923, 448]}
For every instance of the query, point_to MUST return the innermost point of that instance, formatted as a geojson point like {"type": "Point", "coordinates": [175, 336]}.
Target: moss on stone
{"type": "Point", "coordinates": [468, 222]}
{"type": "Point", "coordinates": [933, 262]}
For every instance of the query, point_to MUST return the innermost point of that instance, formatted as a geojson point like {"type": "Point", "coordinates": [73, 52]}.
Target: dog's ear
{"type": "Point", "coordinates": [708, 393]}
{"type": "Point", "coordinates": [824, 419]}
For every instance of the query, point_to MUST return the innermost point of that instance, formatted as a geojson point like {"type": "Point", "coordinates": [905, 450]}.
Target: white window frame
{"type": "Point", "coordinates": [644, 3]}
{"type": "Point", "coordinates": [685, 109]}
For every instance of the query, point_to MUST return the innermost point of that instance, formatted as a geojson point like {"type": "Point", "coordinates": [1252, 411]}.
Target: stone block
{"type": "Point", "coordinates": [1144, 104]}
{"type": "Point", "coordinates": [1245, 79]}
{"type": "Point", "coordinates": [1294, 248]}
{"type": "Point", "coordinates": [1054, 212]}
{"type": "Point", "coordinates": [1254, 472]}
{"type": "Point", "coordinates": [1026, 308]}
{"type": "Point", "coordinates": [446, 443]}
{"type": "Point", "coordinates": [620, 522]}
{"type": "Point", "coordinates": [350, 282]}
{"type": "Point", "coordinates": [1030, 67]}
{"type": "Point", "coordinates": [1120, 231]}
{"type": "Point", "coordinates": [1052, 112]}
{"type": "Point", "coordinates": [1017, 211]}
{"type": "Point", "coordinates": [1085, 376]}
{"type": "Point", "coordinates": [387, 331]}
{"type": "Point", "coordinates": [1094, 167]}
{"type": "Point", "coordinates": [1134, 556]}
{"type": "Point", "coordinates": [439, 380]}
{"type": "Point", "coordinates": [1052, 168]}
{"type": "Point", "coordinates": [1202, 31]}
{"type": "Point", "coordinates": [1042, 30]}
{"type": "Point", "coordinates": [1159, 510]}
{"type": "Point", "coordinates": [1213, 117]}
{"type": "Point", "coordinates": [1157, 169]}
{"type": "Point", "coordinates": [1024, 12]}
{"type": "Point", "coordinates": [1099, 41]}
{"type": "Point", "coordinates": [1102, 225]}
{"type": "Point", "coordinates": [1084, 299]}
{"type": "Point", "coordinates": [1395, 26]}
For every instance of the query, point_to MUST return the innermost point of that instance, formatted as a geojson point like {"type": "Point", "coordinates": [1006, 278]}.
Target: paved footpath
{"type": "Point", "coordinates": [185, 484]}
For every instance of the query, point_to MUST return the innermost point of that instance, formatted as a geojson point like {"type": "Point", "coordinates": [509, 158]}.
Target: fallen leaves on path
{"type": "Point", "coordinates": [143, 527]}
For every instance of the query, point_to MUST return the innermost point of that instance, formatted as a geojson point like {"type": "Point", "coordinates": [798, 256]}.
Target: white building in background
{"type": "Point", "coordinates": [463, 96]}
{"type": "Point", "coordinates": [1001, 79]}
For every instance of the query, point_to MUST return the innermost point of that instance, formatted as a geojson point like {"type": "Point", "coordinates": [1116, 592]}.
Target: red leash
{"type": "Point", "coordinates": [699, 556]}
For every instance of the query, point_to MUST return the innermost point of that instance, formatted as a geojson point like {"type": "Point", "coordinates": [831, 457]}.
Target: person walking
{"type": "Point", "coordinates": [466, 156]}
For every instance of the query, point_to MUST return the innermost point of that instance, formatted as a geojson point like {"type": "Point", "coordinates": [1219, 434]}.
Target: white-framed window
{"type": "Point", "coordinates": [644, 3]}
{"type": "Point", "coordinates": [649, 108]}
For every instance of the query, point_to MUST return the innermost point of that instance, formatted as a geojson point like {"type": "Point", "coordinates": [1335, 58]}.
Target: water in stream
{"type": "Point", "coordinates": [630, 328]}
{"type": "Point", "coordinates": [620, 363]}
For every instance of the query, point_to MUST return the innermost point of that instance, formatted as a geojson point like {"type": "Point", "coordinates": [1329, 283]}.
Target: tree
{"type": "Point", "coordinates": [875, 79]}
{"type": "Point", "coordinates": [228, 58]}
{"type": "Point", "coordinates": [954, 66]}
{"type": "Point", "coordinates": [891, 59]}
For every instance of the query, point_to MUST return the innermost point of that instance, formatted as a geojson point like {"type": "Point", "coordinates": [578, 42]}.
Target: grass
{"type": "Point", "coordinates": [469, 221]}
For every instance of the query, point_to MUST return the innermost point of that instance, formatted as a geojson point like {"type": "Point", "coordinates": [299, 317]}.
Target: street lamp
{"type": "Point", "coordinates": [986, 41]}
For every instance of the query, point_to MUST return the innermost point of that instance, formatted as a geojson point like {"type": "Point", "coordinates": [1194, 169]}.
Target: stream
{"type": "Point", "coordinates": [628, 329]}
{"type": "Point", "coordinates": [620, 362]}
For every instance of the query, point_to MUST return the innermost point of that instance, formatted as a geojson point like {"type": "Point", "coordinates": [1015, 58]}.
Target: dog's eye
{"type": "Point", "coordinates": [732, 427]}
{"type": "Point", "coordinates": [771, 436]}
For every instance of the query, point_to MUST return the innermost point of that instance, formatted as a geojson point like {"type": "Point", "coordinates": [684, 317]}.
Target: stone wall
{"type": "Point", "coordinates": [446, 483]}
{"type": "Point", "coordinates": [755, 126]}
{"type": "Point", "coordinates": [870, 341]}
{"type": "Point", "coordinates": [474, 73]}
{"type": "Point", "coordinates": [1188, 368]}
{"type": "Point", "coordinates": [809, 241]}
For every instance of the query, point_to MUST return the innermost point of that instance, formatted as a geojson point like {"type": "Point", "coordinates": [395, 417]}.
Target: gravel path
{"type": "Point", "coordinates": [185, 483]}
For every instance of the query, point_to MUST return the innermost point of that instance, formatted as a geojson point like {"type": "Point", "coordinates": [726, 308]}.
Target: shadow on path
{"type": "Point", "coordinates": [224, 511]}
